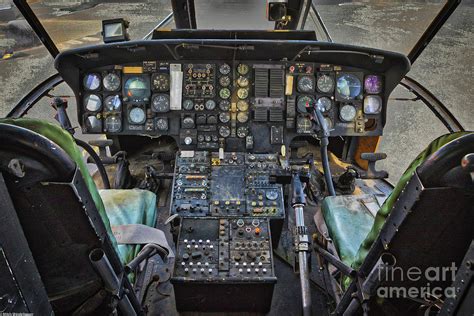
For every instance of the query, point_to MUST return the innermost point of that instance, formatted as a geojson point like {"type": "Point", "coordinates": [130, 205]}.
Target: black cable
{"type": "Point", "coordinates": [97, 161]}
{"type": "Point", "coordinates": [324, 150]}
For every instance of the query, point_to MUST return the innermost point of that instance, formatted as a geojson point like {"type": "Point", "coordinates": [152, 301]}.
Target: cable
{"type": "Point", "coordinates": [324, 150]}
{"type": "Point", "coordinates": [97, 161]}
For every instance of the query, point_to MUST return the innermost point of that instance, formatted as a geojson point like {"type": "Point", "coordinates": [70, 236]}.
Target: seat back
{"type": "Point", "coordinates": [57, 214]}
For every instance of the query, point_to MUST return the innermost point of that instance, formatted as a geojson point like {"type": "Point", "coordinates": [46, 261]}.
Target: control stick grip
{"type": "Point", "coordinates": [371, 172]}
{"type": "Point", "coordinates": [373, 156]}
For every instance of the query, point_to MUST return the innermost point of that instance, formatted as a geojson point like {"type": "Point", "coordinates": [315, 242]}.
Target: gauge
{"type": "Point", "coordinates": [348, 86]}
{"type": "Point", "coordinates": [224, 105]}
{"type": "Point", "coordinates": [242, 105]}
{"type": "Point", "coordinates": [188, 104]}
{"type": "Point", "coordinates": [305, 84]}
{"type": "Point", "coordinates": [93, 124]}
{"type": "Point", "coordinates": [242, 93]}
{"type": "Point", "coordinates": [224, 131]}
{"type": "Point", "coordinates": [113, 103]}
{"type": "Point", "coordinates": [271, 195]}
{"type": "Point", "coordinates": [347, 113]}
{"type": "Point", "coordinates": [224, 81]}
{"type": "Point", "coordinates": [136, 88]}
{"type": "Point", "coordinates": [242, 117]}
{"type": "Point", "coordinates": [324, 104]}
{"type": "Point", "coordinates": [136, 116]}
{"type": "Point", "coordinates": [325, 84]}
{"type": "Point", "coordinates": [242, 131]}
{"type": "Point", "coordinates": [373, 84]}
{"type": "Point", "coordinates": [160, 82]}
{"type": "Point", "coordinates": [91, 82]}
{"type": "Point", "coordinates": [160, 103]}
{"type": "Point", "coordinates": [111, 81]}
{"type": "Point", "coordinates": [224, 117]}
{"type": "Point", "coordinates": [329, 122]}
{"type": "Point", "coordinates": [92, 102]}
{"type": "Point", "coordinates": [224, 69]}
{"type": "Point", "coordinates": [305, 103]}
{"type": "Point", "coordinates": [372, 104]}
{"type": "Point", "coordinates": [210, 105]}
{"type": "Point", "coordinates": [113, 124]}
{"type": "Point", "coordinates": [243, 81]}
{"type": "Point", "coordinates": [224, 93]}
{"type": "Point", "coordinates": [243, 69]}
{"type": "Point", "coordinates": [161, 124]}
{"type": "Point", "coordinates": [304, 125]}
{"type": "Point", "coordinates": [188, 122]}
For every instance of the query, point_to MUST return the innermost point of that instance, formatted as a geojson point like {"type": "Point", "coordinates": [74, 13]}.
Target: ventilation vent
{"type": "Point", "coordinates": [276, 115]}
{"type": "Point", "coordinates": [261, 83]}
{"type": "Point", "coordinates": [277, 83]}
{"type": "Point", "coordinates": [261, 114]}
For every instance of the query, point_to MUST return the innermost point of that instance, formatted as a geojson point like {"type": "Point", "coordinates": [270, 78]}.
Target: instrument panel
{"type": "Point", "coordinates": [236, 105]}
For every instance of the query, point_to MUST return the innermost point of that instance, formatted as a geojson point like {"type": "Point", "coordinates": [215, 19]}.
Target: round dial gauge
{"type": "Point", "coordinates": [224, 93]}
{"type": "Point", "coordinates": [372, 104]}
{"type": "Point", "coordinates": [242, 105]}
{"type": "Point", "coordinates": [92, 102]}
{"type": "Point", "coordinates": [224, 105]}
{"type": "Point", "coordinates": [91, 81]}
{"type": "Point", "coordinates": [243, 69]}
{"type": "Point", "coordinates": [136, 88]}
{"type": "Point", "coordinates": [242, 131]}
{"type": "Point", "coordinates": [224, 117]}
{"type": "Point", "coordinates": [224, 69]}
{"type": "Point", "coordinates": [224, 131]}
{"type": "Point", "coordinates": [347, 113]}
{"type": "Point", "coordinates": [113, 103]}
{"type": "Point", "coordinates": [329, 123]}
{"type": "Point", "coordinates": [242, 93]}
{"type": "Point", "coordinates": [188, 105]}
{"type": "Point", "coordinates": [271, 195]}
{"type": "Point", "coordinates": [243, 81]}
{"type": "Point", "coordinates": [162, 124]}
{"type": "Point", "coordinates": [348, 86]}
{"type": "Point", "coordinates": [305, 104]}
{"type": "Point", "coordinates": [224, 81]}
{"type": "Point", "coordinates": [242, 117]}
{"type": "Point", "coordinates": [113, 124]}
{"type": "Point", "coordinates": [325, 84]}
{"type": "Point", "coordinates": [188, 122]}
{"type": "Point", "coordinates": [136, 116]}
{"type": "Point", "coordinates": [160, 103]}
{"type": "Point", "coordinates": [210, 105]}
{"type": "Point", "coordinates": [305, 84]}
{"type": "Point", "coordinates": [324, 104]}
{"type": "Point", "coordinates": [373, 84]}
{"type": "Point", "coordinates": [160, 82]}
{"type": "Point", "coordinates": [111, 81]}
{"type": "Point", "coordinates": [304, 125]}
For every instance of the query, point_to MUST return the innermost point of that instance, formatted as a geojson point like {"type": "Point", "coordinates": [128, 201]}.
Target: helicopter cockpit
{"type": "Point", "coordinates": [227, 170]}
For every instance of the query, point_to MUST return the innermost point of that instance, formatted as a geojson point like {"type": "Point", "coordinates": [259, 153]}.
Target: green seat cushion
{"type": "Point", "coordinates": [63, 139]}
{"type": "Point", "coordinates": [129, 207]}
{"type": "Point", "coordinates": [349, 221]}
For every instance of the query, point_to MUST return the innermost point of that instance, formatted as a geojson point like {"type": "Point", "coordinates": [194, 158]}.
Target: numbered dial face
{"type": "Point", "coordinates": [224, 69]}
{"type": "Point", "coordinates": [325, 84]}
{"type": "Point", "coordinates": [305, 104]}
{"type": "Point", "coordinates": [324, 104]}
{"type": "Point", "coordinates": [224, 131]}
{"type": "Point", "coordinates": [224, 81]}
{"type": "Point", "coordinates": [224, 93]}
{"type": "Point", "coordinates": [242, 93]}
{"type": "Point", "coordinates": [224, 117]}
{"type": "Point", "coordinates": [113, 103]}
{"type": "Point", "coordinates": [271, 195]}
{"type": "Point", "coordinates": [242, 131]}
{"type": "Point", "coordinates": [224, 105]}
{"type": "Point", "coordinates": [91, 82]}
{"type": "Point", "coordinates": [349, 86]}
{"type": "Point", "coordinates": [113, 124]}
{"type": "Point", "coordinates": [304, 125]}
{"type": "Point", "coordinates": [188, 105]}
{"type": "Point", "coordinates": [243, 82]}
{"type": "Point", "coordinates": [92, 103]}
{"type": "Point", "coordinates": [347, 113]}
{"type": "Point", "coordinates": [111, 82]}
{"type": "Point", "coordinates": [160, 82]}
{"type": "Point", "coordinates": [306, 84]}
{"type": "Point", "coordinates": [210, 105]}
{"type": "Point", "coordinates": [161, 103]}
{"type": "Point", "coordinates": [162, 124]}
{"type": "Point", "coordinates": [136, 116]}
{"type": "Point", "coordinates": [242, 105]}
{"type": "Point", "coordinates": [243, 69]}
{"type": "Point", "coordinates": [242, 117]}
